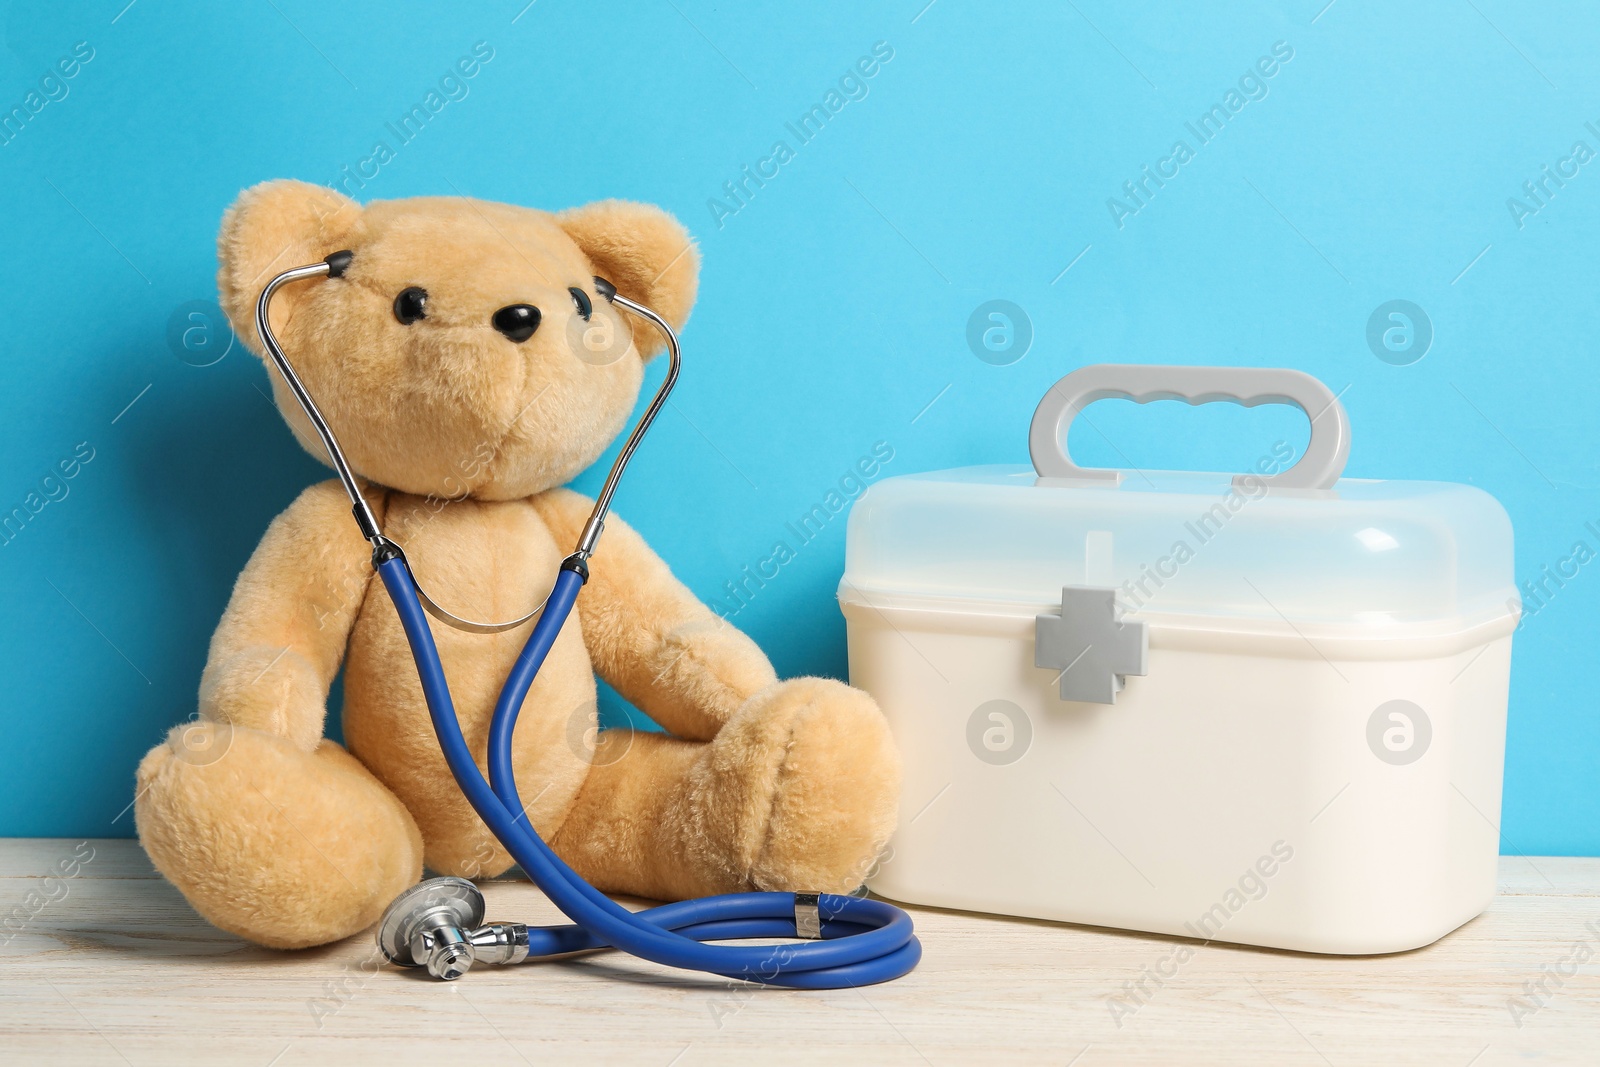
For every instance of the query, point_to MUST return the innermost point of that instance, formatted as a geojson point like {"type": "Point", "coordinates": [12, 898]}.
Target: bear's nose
{"type": "Point", "coordinates": [517, 321]}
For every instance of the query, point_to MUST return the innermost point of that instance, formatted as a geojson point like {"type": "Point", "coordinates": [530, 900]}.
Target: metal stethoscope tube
{"type": "Point", "coordinates": [334, 266]}
{"type": "Point", "coordinates": [850, 941]}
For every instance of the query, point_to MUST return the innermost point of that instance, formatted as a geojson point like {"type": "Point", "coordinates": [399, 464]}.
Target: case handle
{"type": "Point", "coordinates": [1319, 468]}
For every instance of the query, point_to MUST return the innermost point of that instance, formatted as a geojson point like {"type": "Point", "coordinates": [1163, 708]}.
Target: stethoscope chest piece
{"type": "Point", "coordinates": [428, 926]}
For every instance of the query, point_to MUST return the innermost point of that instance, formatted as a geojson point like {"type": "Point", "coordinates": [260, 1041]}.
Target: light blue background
{"type": "Point", "coordinates": [834, 305]}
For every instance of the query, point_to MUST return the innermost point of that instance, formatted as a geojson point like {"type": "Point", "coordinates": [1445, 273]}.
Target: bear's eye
{"type": "Point", "coordinates": [581, 300]}
{"type": "Point", "coordinates": [411, 305]}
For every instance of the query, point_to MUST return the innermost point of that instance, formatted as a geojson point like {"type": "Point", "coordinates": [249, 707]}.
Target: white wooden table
{"type": "Point", "coordinates": [111, 966]}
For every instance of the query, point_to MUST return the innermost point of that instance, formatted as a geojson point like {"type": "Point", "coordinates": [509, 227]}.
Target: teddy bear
{"type": "Point", "coordinates": [454, 358]}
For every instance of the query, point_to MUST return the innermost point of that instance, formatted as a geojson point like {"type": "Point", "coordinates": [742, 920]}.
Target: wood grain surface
{"type": "Point", "coordinates": [102, 962]}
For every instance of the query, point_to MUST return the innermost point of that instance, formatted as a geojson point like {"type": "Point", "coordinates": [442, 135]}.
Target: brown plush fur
{"type": "Point", "coordinates": [465, 437]}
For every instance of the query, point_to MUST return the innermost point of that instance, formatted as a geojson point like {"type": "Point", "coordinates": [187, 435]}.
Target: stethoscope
{"type": "Point", "coordinates": [438, 923]}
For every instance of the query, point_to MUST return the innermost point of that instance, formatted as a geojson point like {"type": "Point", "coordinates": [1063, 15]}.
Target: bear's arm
{"type": "Point", "coordinates": [283, 635]}
{"type": "Point", "coordinates": [648, 636]}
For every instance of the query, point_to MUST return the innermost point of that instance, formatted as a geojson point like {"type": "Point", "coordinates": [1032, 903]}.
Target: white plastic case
{"type": "Point", "coordinates": [1266, 709]}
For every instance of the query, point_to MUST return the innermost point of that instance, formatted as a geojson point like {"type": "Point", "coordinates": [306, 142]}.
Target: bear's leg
{"type": "Point", "coordinates": [285, 847]}
{"type": "Point", "coordinates": [796, 792]}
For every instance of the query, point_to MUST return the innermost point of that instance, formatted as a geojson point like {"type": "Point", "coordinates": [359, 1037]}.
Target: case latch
{"type": "Point", "coordinates": [1090, 645]}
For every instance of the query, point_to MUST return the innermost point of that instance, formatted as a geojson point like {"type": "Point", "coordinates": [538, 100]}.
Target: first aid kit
{"type": "Point", "coordinates": [1266, 708]}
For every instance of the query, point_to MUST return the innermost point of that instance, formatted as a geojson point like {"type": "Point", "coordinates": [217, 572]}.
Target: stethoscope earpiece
{"type": "Point", "coordinates": [338, 262]}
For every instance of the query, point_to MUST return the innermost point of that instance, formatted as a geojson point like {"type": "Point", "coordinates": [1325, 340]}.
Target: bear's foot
{"type": "Point", "coordinates": [798, 791]}
{"type": "Point", "coordinates": [284, 847]}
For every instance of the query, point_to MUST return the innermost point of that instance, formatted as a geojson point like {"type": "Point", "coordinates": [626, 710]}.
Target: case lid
{"type": "Point", "coordinates": [1297, 546]}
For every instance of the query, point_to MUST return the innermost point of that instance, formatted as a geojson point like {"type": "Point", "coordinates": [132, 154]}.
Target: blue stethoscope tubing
{"type": "Point", "coordinates": [863, 941]}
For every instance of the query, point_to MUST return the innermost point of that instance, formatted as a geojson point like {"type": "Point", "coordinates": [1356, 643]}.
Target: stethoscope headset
{"type": "Point", "coordinates": [438, 924]}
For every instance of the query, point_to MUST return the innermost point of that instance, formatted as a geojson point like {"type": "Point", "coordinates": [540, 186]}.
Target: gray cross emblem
{"type": "Point", "coordinates": [1089, 646]}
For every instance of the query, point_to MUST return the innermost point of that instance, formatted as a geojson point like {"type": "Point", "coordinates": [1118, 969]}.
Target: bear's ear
{"type": "Point", "coordinates": [646, 254]}
{"type": "Point", "coordinates": [270, 228]}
